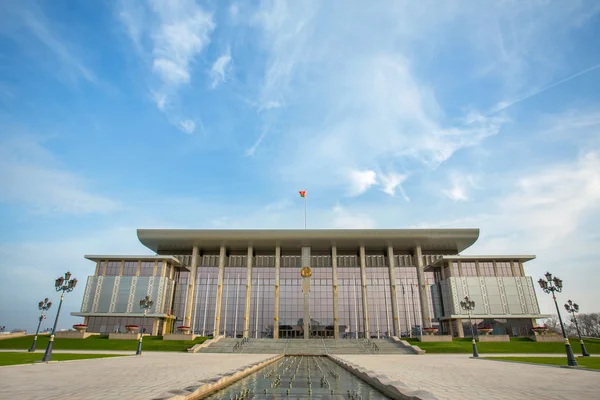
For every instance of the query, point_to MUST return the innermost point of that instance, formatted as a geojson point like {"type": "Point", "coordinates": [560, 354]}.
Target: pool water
{"type": "Point", "coordinates": [300, 377]}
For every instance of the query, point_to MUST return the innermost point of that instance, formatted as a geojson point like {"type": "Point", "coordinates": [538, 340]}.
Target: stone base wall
{"type": "Point", "coordinates": [74, 335]}
{"type": "Point", "coordinates": [493, 338]}
{"type": "Point", "coordinates": [124, 336]}
{"type": "Point", "coordinates": [435, 338]}
{"type": "Point", "coordinates": [179, 336]}
{"type": "Point", "coordinates": [547, 338]}
{"type": "Point", "coordinates": [12, 335]}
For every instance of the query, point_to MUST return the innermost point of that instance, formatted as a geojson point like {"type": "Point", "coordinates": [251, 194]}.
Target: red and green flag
{"type": "Point", "coordinates": [302, 193]}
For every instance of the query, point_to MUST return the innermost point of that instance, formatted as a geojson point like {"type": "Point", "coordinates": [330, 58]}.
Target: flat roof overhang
{"type": "Point", "coordinates": [522, 258]}
{"type": "Point", "coordinates": [450, 240]}
{"type": "Point", "coordinates": [114, 257]}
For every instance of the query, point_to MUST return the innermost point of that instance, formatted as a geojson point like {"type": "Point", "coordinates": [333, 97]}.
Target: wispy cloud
{"type": "Point", "coordinates": [360, 181]}
{"type": "Point", "coordinates": [177, 32]}
{"type": "Point", "coordinates": [187, 126]}
{"type": "Point", "coordinates": [460, 186]}
{"type": "Point", "coordinates": [391, 182]}
{"type": "Point", "coordinates": [220, 68]}
{"type": "Point", "coordinates": [32, 176]}
{"type": "Point", "coordinates": [32, 18]}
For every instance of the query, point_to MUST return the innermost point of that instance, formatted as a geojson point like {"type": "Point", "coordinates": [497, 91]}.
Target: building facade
{"type": "Point", "coordinates": [345, 283]}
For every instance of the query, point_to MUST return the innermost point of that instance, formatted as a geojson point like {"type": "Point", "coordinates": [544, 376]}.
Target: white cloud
{"type": "Point", "coordinates": [391, 182]}
{"type": "Point", "coordinates": [187, 126]}
{"type": "Point", "coordinates": [160, 99]}
{"type": "Point", "coordinates": [252, 149]}
{"type": "Point", "coordinates": [181, 33]}
{"type": "Point", "coordinates": [460, 185]}
{"type": "Point", "coordinates": [234, 10]}
{"type": "Point", "coordinates": [360, 181]}
{"type": "Point", "coordinates": [171, 72]}
{"type": "Point", "coordinates": [219, 69]}
{"type": "Point", "coordinates": [169, 36]}
{"type": "Point", "coordinates": [33, 177]}
{"type": "Point", "coordinates": [269, 105]}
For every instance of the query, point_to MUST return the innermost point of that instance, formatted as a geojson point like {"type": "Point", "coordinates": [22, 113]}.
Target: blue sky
{"type": "Point", "coordinates": [120, 115]}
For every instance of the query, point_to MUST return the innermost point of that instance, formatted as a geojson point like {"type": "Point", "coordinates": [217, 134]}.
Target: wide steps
{"type": "Point", "coordinates": [311, 346]}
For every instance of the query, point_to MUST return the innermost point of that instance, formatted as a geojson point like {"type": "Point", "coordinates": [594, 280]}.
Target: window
{"type": "Point", "coordinates": [113, 268]}
{"type": "Point", "coordinates": [147, 268]}
{"type": "Point", "coordinates": [455, 268]}
{"type": "Point", "coordinates": [468, 268]}
{"type": "Point", "coordinates": [504, 268]}
{"type": "Point", "coordinates": [486, 269]}
{"type": "Point", "coordinates": [130, 268]}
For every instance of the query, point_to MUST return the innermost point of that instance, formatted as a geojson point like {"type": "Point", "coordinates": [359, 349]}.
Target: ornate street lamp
{"type": "Point", "coordinates": [551, 285]}
{"type": "Point", "coordinates": [574, 308]}
{"type": "Point", "coordinates": [43, 306]}
{"type": "Point", "coordinates": [62, 284]}
{"type": "Point", "coordinates": [145, 304]}
{"type": "Point", "coordinates": [469, 305]}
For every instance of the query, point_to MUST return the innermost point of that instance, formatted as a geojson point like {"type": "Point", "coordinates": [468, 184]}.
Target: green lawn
{"type": "Point", "coordinates": [586, 362]}
{"type": "Point", "coordinates": [30, 358]}
{"type": "Point", "coordinates": [150, 343]}
{"type": "Point", "coordinates": [516, 345]}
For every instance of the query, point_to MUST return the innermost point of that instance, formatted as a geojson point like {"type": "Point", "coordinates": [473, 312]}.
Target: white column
{"type": "Point", "coordinates": [226, 306]}
{"type": "Point", "coordinates": [276, 305]}
{"type": "Point", "coordinates": [190, 287]}
{"type": "Point", "coordinates": [365, 300]}
{"type": "Point", "coordinates": [217, 324]}
{"type": "Point", "coordinates": [425, 316]}
{"type": "Point", "coordinates": [336, 322]}
{"type": "Point", "coordinates": [393, 293]}
{"type": "Point", "coordinates": [387, 314]}
{"type": "Point", "coordinates": [237, 302]}
{"type": "Point", "coordinates": [248, 291]}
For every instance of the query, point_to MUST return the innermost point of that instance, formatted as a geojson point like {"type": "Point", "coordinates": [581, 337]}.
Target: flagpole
{"type": "Point", "coordinates": [304, 211]}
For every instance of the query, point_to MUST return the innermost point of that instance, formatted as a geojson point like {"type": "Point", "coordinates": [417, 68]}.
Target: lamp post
{"type": "Point", "coordinates": [145, 305]}
{"type": "Point", "coordinates": [551, 285]}
{"type": "Point", "coordinates": [574, 308]}
{"type": "Point", "coordinates": [62, 284]}
{"type": "Point", "coordinates": [469, 305]}
{"type": "Point", "coordinates": [43, 306]}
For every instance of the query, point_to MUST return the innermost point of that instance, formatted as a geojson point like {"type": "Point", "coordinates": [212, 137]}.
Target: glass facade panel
{"type": "Point", "coordinates": [468, 268]}
{"type": "Point", "coordinates": [130, 268]}
{"type": "Point", "coordinates": [113, 268]}
{"type": "Point", "coordinates": [504, 268]}
{"type": "Point", "coordinates": [486, 268]}
{"type": "Point", "coordinates": [147, 268]}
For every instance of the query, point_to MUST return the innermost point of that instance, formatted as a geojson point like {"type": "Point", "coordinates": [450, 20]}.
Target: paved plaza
{"type": "Point", "coordinates": [459, 377]}
{"type": "Point", "coordinates": [129, 377]}
{"type": "Point", "coordinates": [446, 376]}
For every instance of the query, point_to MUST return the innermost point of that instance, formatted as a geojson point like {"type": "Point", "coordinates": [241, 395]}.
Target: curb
{"type": "Point", "coordinates": [208, 386]}
{"type": "Point", "coordinates": [393, 388]}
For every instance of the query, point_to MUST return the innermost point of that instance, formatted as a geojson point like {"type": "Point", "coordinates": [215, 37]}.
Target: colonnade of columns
{"type": "Point", "coordinates": [424, 300]}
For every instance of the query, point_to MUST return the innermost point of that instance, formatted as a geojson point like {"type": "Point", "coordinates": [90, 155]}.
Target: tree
{"type": "Point", "coordinates": [589, 324]}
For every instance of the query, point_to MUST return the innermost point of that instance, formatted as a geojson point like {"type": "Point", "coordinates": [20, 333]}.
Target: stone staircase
{"type": "Point", "coordinates": [311, 346]}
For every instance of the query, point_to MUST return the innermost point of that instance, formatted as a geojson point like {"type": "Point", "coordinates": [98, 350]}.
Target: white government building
{"type": "Point", "coordinates": [371, 283]}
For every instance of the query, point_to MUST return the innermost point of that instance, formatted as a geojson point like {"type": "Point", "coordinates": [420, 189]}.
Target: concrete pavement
{"type": "Point", "coordinates": [453, 376]}
{"type": "Point", "coordinates": [460, 377]}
